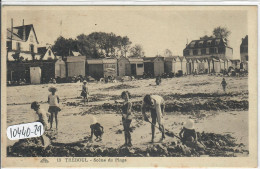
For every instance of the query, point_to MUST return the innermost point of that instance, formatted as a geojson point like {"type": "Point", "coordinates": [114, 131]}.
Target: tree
{"type": "Point", "coordinates": [221, 32]}
{"type": "Point", "coordinates": [62, 46]}
{"type": "Point", "coordinates": [137, 51]}
{"type": "Point", "coordinates": [167, 53]}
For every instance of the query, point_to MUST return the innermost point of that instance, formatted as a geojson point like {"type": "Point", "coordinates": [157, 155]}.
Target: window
{"type": "Point", "coordinates": [203, 51]}
{"type": "Point", "coordinates": [195, 52]}
{"type": "Point", "coordinates": [209, 42]}
{"type": "Point", "coordinates": [192, 44]}
{"type": "Point", "coordinates": [217, 41]}
{"type": "Point", "coordinates": [221, 50]}
{"type": "Point", "coordinates": [49, 53]}
{"type": "Point", "coordinates": [9, 45]}
{"type": "Point", "coordinates": [211, 50]}
{"type": "Point", "coordinates": [245, 49]}
{"type": "Point", "coordinates": [140, 65]}
{"type": "Point", "coordinates": [186, 53]}
{"type": "Point", "coordinates": [200, 43]}
{"type": "Point", "coordinates": [32, 48]}
{"type": "Point", "coordinates": [18, 46]}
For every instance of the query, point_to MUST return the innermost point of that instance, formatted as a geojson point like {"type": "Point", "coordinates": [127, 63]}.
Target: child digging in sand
{"type": "Point", "coordinates": [188, 135]}
{"type": "Point", "coordinates": [53, 101]}
{"type": "Point", "coordinates": [42, 117]}
{"type": "Point", "coordinates": [96, 129]}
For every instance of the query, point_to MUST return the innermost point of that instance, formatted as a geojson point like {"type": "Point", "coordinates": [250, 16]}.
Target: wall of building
{"type": "Point", "coordinates": [76, 68]}
{"type": "Point", "coordinates": [158, 67]}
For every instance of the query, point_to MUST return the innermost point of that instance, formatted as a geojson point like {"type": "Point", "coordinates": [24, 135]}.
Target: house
{"type": "Point", "coordinates": [124, 67]}
{"type": "Point", "coordinates": [154, 65]}
{"type": "Point", "coordinates": [244, 53]}
{"type": "Point", "coordinates": [205, 48]}
{"type": "Point", "coordinates": [137, 66]}
{"type": "Point", "coordinates": [31, 69]}
{"type": "Point", "coordinates": [45, 53]}
{"type": "Point", "coordinates": [22, 43]}
{"type": "Point", "coordinates": [76, 66]}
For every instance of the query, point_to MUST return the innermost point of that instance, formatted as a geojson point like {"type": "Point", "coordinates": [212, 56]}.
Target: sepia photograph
{"type": "Point", "coordinates": [112, 82]}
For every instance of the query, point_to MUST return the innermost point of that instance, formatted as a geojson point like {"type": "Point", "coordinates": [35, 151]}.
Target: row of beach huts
{"type": "Point", "coordinates": [42, 71]}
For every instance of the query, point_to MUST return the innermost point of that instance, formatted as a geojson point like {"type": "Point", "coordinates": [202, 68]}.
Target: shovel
{"type": "Point", "coordinates": [167, 132]}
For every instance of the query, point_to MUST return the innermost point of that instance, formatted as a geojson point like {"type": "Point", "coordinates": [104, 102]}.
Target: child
{"type": "Point", "coordinates": [43, 118]}
{"type": "Point", "coordinates": [188, 134]}
{"type": "Point", "coordinates": [97, 130]}
{"type": "Point", "coordinates": [224, 84]}
{"type": "Point", "coordinates": [84, 92]}
{"type": "Point", "coordinates": [42, 115]}
{"type": "Point", "coordinates": [53, 101]}
{"type": "Point", "coordinates": [189, 137]}
{"type": "Point", "coordinates": [158, 80]}
{"type": "Point", "coordinates": [126, 116]}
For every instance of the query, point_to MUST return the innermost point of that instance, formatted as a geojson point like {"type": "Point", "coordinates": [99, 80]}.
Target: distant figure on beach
{"type": "Point", "coordinates": [158, 80]}
{"type": "Point", "coordinates": [224, 84]}
{"type": "Point", "coordinates": [42, 117]}
{"type": "Point", "coordinates": [84, 92]}
{"type": "Point", "coordinates": [53, 101]}
{"type": "Point", "coordinates": [156, 105]}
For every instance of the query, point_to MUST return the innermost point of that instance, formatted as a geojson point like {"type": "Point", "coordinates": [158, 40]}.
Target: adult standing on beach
{"type": "Point", "coordinates": [156, 105]}
{"type": "Point", "coordinates": [53, 101]}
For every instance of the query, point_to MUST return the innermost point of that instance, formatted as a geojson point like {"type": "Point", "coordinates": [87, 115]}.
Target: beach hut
{"type": "Point", "coordinates": [95, 68]}
{"type": "Point", "coordinates": [195, 66]}
{"type": "Point", "coordinates": [60, 69]}
{"type": "Point", "coordinates": [206, 65]}
{"type": "Point", "coordinates": [110, 67]}
{"type": "Point", "coordinates": [35, 75]}
{"type": "Point", "coordinates": [76, 66]}
{"type": "Point", "coordinates": [211, 65]}
{"type": "Point", "coordinates": [124, 68]}
{"type": "Point", "coordinates": [222, 64]}
{"type": "Point", "coordinates": [178, 64]}
{"type": "Point", "coordinates": [189, 66]}
{"type": "Point", "coordinates": [137, 66]}
{"type": "Point", "coordinates": [169, 64]}
{"type": "Point", "coordinates": [154, 65]}
{"type": "Point", "coordinates": [217, 67]}
{"type": "Point", "coordinates": [183, 65]}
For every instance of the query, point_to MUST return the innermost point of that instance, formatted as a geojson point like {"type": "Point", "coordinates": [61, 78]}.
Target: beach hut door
{"type": "Point", "coordinates": [133, 69]}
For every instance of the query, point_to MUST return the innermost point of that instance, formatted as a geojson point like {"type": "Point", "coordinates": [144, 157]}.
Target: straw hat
{"type": "Point", "coordinates": [84, 81]}
{"type": "Point", "coordinates": [52, 88]}
{"type": "Point", "coordinates": [189, 124]}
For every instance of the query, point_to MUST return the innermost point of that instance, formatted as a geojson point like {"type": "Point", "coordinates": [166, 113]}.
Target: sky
{"type": "Point", "coordinates": [155, 28]}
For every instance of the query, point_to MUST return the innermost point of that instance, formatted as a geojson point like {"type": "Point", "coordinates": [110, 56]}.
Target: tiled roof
{"type": "Point", "coordinates": [18, 32]}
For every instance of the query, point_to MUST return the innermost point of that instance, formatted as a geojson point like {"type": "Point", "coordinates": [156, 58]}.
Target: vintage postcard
{"type": "Point", "coordinates": [129, 86]}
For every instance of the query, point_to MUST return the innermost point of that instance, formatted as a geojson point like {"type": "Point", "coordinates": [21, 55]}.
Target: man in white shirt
{"type": "Point", "coordinates": [156, 105]}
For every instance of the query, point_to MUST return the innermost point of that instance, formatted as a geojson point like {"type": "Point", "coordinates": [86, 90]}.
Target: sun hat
{"type": "Point", "coordinates": [52, 88]}
{"type": "Point", "coordinates": [84, 81]}
{"type": "Point", "coordinates": [189, 124]}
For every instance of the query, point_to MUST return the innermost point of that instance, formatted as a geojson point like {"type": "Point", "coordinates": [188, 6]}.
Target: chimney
{"type": "Point", "coordinates": [11, 34]}
{"type": "Point", "coordinates": [23, 31]}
